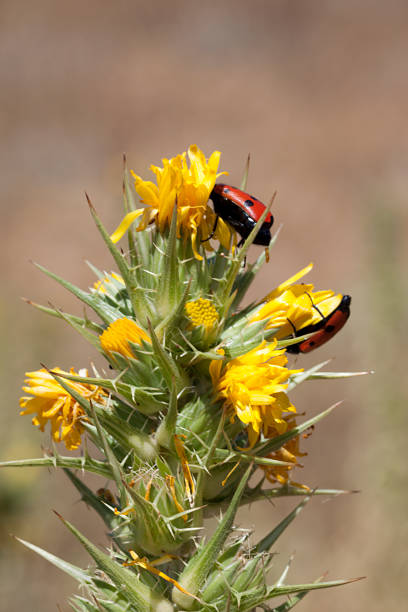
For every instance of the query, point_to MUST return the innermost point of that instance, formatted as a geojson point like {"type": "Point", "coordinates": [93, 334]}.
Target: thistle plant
{"type": "Point", "coordinates": [192, 416]}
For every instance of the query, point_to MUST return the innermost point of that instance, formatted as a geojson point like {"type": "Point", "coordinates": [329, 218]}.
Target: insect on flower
{"type": "Point", "coordinates": [323, 330]}
{"type": "Point", "coordinates": [242, 211]}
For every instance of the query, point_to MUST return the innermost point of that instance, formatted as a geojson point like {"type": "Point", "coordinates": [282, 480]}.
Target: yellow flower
{"type": "Point", "coordinates": [51, 402]}
{"type": "Point", "coordinates": [117, 336]}
{"type": "Point", "coordinates": [100, 285]}
{"type": "Point", "coordinates": [190, 188]}
{"type": "Point", "coordinates": [202, 312]}
{"type": "Point", "coordinates": [293, 306]}
{"type": "Point", "coordinates": [253, 386]}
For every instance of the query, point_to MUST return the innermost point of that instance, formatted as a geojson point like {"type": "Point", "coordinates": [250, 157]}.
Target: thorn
{"type": "Point", "coordinates": [357, 579]}
{"type": "Point", "coordinates": [246, 172]}
{"type": "Point", "coordinates": [124, 159]}
{"type": "Point", "coordinates": [91, 206]}
{"type": "Point", "coordinates": [59, 515]}
{"type": "Point", "coordinates": [271, 201]}
{"type": "Point", "coordinates": [27, 301]}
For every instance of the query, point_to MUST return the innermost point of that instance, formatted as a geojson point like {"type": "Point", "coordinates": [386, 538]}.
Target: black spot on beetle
{"type": "Point", "coordinates": [312, 343]}
{"type": "Point", "coordinates": [329, 329]}
{"type": "Point", "coordinates": [249, 202]}
{"type": "Point", "coordinates": [226, 190]}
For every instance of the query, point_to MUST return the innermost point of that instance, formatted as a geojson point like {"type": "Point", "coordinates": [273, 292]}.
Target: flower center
{"type": "Point", "coordinates": [202, 312]}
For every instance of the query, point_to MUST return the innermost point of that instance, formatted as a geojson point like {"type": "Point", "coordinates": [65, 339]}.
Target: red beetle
{"type": "Point", "coordinates": [323, 330]}
{"type": "Point", "coordinates": [242, 211]}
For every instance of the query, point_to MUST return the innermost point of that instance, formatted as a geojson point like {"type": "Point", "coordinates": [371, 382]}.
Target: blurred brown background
{"type": "Point", "coordinates": [317, 92]}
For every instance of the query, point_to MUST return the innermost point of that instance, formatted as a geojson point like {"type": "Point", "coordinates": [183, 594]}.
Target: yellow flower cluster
{"type": "Point", "coordinates": [116, 338]}
{"type": "Point", "coordinates": [52, 403]}
{"type": "Point", "coordinates": [188, 188]}
{"type": "Point", "coordinates": [253, 387]}
{"type": "Point", "coordinates": [202, 312]}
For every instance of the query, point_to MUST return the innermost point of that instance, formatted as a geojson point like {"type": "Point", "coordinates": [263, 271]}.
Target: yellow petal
{"type": "Point", "coordinates": [289, 282]}
{"type": "Point", "coordinates": [125, 224]}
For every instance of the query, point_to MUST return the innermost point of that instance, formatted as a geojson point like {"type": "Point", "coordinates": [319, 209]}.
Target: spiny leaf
{"type": "Point", "coordinates": [113, 462]}
{"type": "Point", "coordinates": [168, 296]}
{"type": "Point", "coordinates": [217, 584]}
{"type": "Point", "coordinates": [276, 591]}
{"type": "Point", "coordinates": [83, 330]}
{"type": "Point", "coordinates": [129, 205]}
{"type": "Point", "coordinates": [136, 293]}
{"type": "Point", "coordinates": [172, 320]}
{"type": "Point", "coordinates": [153, 531]}
{"type": "Point", "coordinates": [245, 279]}
{"type": "Point", "coordinates": [331, 375]}
{"type": "Point", "coordinates": [168, 366]}
{"type": "Point", "coordinates": [259, 596]}
{"type": "Point", "coordinates": [269, 540]}
{"type": "Point", "coordinates": [314, 374]}
{"type": "Point", "coordinates": [298, 378]}
{"type": "Point", "coordinates": [167, 428]}
{"type": "Point", "coordinates": [138, 594]}
{"type": "Point", "coordinates": [119, 259]}
{"type": "Point", "coordinates": [289, 491]}
{"type": "Point", "coordinates": [137, 395]}
{"type": "Point", "coordinates": [106, 597]}
{"type": "Point", "coordinates": [54, 312]}
{"type": "Point", "coordinates": [86, 464]}
{"type": "Point", "coordinates": [79, 604]}
{"type": "Point", "coordinates": [75, 572]}
{"type": "Point", "coordinates": [275, 443]}
{"type": "Point", "coordinates": [291, 603]}
{"type": "Point", "coordinates": [131, 438]}
{"type": "Point", "coordinates": [105, 312]}
{"type": "Point", "coordinates": [223, 455]}
{"type": "Point", "coordinates": [89, 497]}
{"type": "Point", "coordinates": [199, 566]}
{"type": "Point", "coordinates": [248, 578]}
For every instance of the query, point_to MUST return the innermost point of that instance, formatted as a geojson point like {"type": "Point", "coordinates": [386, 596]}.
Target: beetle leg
{"type": "Point", "coordinates": [293, 327]}
{"type": "Point", "coordinates": [314, 305]}
{"type": "Point", "coordinates": [213, 230]}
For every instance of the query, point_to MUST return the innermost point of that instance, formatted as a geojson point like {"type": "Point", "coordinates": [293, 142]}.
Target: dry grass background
{"type": "Point", "coordinates": [317, 91]}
